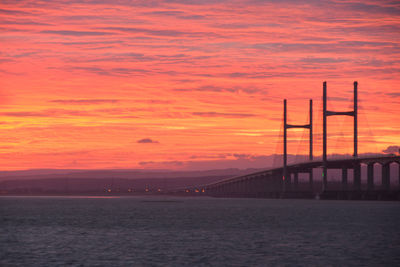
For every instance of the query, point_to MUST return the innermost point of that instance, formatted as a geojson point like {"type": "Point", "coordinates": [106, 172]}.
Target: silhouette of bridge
{"type": "Point", "coordinates": [283, 182]}
{"type": "Point", "coordinates": [270, 184]}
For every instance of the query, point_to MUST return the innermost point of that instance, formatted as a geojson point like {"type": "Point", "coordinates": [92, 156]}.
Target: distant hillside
{"type": "Point", "coordinates": [119, 173]}
{"type": "Point", "coordinates": [96, 181]}
{"type": "Point", "coordinates": [95, 185]}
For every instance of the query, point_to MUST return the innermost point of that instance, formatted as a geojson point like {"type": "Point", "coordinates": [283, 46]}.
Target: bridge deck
{"type": "Point", "coordinates": [307, 166]}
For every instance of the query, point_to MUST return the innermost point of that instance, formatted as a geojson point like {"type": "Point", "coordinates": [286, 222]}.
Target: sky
{"type": "Point", "coordinates": [191, 84]}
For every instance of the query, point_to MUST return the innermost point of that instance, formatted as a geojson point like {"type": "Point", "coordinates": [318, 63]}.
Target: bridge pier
{"type": "Point", "coordinates": [237, 187]}
{"type": "Point", "coordinates": [248, 186]}
{"type": "Point", "coordinates": [386, 176]}
{"type": "Point", "coordinates": [278, 182]}
{"type": "Point", "coordinates": [232, 188]}
{"type": "Point", "coordinates": [357, 177]}
{"type": "Point", "coordinates": [253, 187]}
{"type": "Point", "coordinates": [263, 184]}
{"type": "Point", "coordinates": [296, 181]}
{"type": "Point", "coordinates": [288, 182]}
{"type": "Point", "coordinates": [218, 190]}
{"type": "Point", "coordinates": [257, 185]}
{"type": "Point", "coordinates": [225, 189]}
{"type": "Point", "coordinates": [344, 179]}
{"type": "Point", "coordinates": [370, 176]}
{"type": "Point", "coordinates": [270, 182]}
{"type": "Point", "coordinates": [263, 181]}
{"type": "Point", "coordinates": [311, 179]}
{"type": "Point", "coordinates": [244, 186]}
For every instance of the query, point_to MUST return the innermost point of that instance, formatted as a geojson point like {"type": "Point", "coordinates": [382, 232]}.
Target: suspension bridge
{"type": "Point", "coordinates": [283, 181]}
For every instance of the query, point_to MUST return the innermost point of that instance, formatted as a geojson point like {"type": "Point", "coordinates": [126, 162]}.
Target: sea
{"type": "Point", "coordinates": [197, 231]}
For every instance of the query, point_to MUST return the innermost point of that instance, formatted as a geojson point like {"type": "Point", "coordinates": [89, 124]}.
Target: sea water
{"type": "Point", "coordinates": [173, 231]}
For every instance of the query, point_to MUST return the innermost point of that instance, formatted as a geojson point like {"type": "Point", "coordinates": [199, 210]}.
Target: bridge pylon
{"type": "Point", "coordinates": [352, 113]}
{"type": "Point", "coordinates": [286, 178]}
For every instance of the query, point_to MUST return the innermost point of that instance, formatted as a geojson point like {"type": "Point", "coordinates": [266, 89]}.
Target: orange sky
{"type": "Point", "coordinates": [172, 84]}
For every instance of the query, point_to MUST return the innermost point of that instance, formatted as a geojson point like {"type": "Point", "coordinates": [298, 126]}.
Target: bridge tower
{"type": "Point", "coordinates": [352, 113]}
{"type": "Point", "coordinates": [286, 126]}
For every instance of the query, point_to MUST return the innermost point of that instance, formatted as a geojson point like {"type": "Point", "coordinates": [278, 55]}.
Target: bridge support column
{"type": "Point", "coordinates": [243, 184]}
{"type": "Point", "coordinates": [279, 182]}
{"type": "Point", "coordinates": [248, 186]}
{"type": "Point", "coordinates": [237, 187]}
{"type": "Point", "coordinates": [257, 185]}
{"type": "Point", "coordinates": [288, 182]}
{"type": "Point", "coordinates": [248, 189]}
{"type": "Point", "coordinates": [253, 187]}
{"type": "Point", "coordinates": [224, 189]}
{"type": "Point", "coordinates": [386, 176]}
{"type": "Point", "coordinates": [370, 178]}
{"type": "Point", "coordinates": [311, 179]}
{"type": "Point", "coordinates": [357, 177]}
{"type": "Point", "coordinates": [261, 188]}
{"type": "Point", "coordinates": [344, 179]}
{"type": "Point", "coordinates": [296, 181]}
{"type": "Point", "coordinates": [266, 183]}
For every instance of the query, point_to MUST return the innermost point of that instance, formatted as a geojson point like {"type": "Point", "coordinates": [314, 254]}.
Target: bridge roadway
{"type": "Point", "coordinates": [270, 183]}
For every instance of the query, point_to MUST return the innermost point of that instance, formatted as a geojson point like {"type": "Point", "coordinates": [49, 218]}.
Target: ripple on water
{"type": "Point", "coordinates": [197, 231]}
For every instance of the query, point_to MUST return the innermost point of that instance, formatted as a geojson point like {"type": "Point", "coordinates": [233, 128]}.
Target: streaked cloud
{"type": "Point", "coordinates": [85, 101]}
{"type": "Point", "coordinates": [218, 114]}
{"type": "Point", "coordinates": [392, 149]}
{"type": "Point", "coordinates": [395, 94]}
{"type": "Point", "coordinates": [76, 33]}
{"type": "Point", "coordinates": [147, 141]}
{"type": "Point", "coordinates": [46, 113]}
{"type": "Point", "coordinates": [13, 12]}
{"type": "Point", "coordinates": [204, 78]}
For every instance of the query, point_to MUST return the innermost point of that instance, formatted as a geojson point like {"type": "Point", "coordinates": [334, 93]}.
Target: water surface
{"type": "Point", "coordinates": [154, 231]}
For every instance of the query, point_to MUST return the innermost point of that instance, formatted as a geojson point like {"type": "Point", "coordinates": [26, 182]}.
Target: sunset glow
{"type": "Point", "coordinates": [190, 84]}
